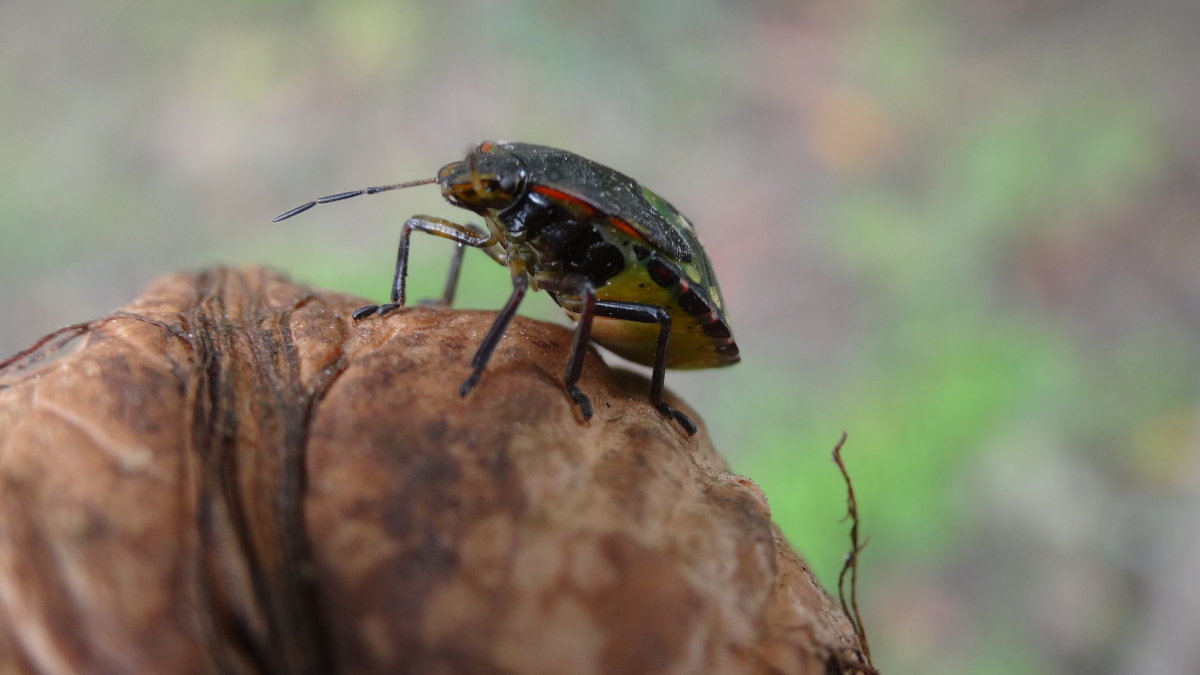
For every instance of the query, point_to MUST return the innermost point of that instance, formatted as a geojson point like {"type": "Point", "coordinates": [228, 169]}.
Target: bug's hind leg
{"type": "Point", "coordinates": [632, 311]}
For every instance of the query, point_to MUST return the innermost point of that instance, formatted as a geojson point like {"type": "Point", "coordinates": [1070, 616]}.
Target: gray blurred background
{"type": "Point", "coordinates": [964, 232]}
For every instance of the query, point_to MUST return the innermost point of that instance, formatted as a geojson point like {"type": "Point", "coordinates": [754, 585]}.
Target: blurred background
{"type": "Point", "coordinates": [964, 232]}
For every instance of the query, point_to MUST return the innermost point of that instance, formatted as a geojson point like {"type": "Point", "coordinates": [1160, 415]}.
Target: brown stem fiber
{"type": "Point", "coordinates": [230, 475]}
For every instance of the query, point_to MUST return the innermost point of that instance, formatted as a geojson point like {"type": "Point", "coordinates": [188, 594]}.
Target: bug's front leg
{"type": "Point", "coordinates": [633, 311]}
{"type": "Point", "coordinates": [464, 235]}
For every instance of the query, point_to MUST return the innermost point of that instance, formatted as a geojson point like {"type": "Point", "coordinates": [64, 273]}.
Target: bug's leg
{"type": "Point", "coordinates": [464, 235]}
{"type": "Point", "coordinates": [582, 301]}
{"type": "Point", "coordinates": [484, 353]}
{"type": "Point", "coordinates": [632, 311]}
{"type": "Point", "coordinates": [452, 277]}
{"type": "Point", "coordinates": [447, 298]}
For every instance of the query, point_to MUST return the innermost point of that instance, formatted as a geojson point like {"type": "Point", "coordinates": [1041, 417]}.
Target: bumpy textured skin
{"type": "Point", "coordinates": [229, 475]}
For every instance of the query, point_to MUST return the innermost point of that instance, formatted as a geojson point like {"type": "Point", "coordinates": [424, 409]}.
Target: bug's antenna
{"type": "Point", "coordinates": [347, 195]}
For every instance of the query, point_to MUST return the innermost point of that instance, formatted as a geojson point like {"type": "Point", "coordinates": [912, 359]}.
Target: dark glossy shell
{"type": "Point", "coordinates": [612, 193]}
{"type": "Point", "coordinates": [664, 263]}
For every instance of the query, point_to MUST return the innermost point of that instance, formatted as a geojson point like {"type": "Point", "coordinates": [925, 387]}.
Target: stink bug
{"type": "Point", "coordinates": [617, 257]}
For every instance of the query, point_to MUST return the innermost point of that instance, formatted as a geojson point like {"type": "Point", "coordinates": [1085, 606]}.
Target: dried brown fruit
{"type": "Point", "coordinates": [230, 475]}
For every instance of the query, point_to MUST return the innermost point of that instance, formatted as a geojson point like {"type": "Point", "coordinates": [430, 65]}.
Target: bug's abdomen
{"type": "Point", "coordinates": [700, 336]}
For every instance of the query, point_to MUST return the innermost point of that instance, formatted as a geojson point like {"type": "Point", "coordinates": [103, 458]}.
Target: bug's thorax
{"type": "Point", "coordinates": [513, 249]}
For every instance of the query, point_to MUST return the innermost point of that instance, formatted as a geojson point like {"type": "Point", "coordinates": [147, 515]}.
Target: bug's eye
{"type": "Point", "coordinates": [509, 181]}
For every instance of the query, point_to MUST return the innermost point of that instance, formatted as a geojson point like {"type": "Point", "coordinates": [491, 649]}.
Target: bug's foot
{"type": "Point", "coordinates": [433, 302]}
{"type": "Point", "coordinates": [585, 406]}
{"type": "Point", "coordinates": [684, 421]}
{"type": "Point", "coordinates": [469, 383]}
{"type": "Point", "coordinates": [363, 312]}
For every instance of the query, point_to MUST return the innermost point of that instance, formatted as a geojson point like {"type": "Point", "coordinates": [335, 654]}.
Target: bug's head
{"type": "Point", "coordinates": [489, 178]}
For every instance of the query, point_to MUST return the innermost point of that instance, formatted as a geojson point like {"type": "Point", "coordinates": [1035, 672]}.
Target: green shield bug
{"type": "Point", "coordinates": [623, 262]}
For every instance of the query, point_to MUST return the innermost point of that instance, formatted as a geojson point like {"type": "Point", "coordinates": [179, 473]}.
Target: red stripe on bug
{"type": "Point", "coordinates": [569, 200]}
{"type": "Point", "coordinates": [625, 227]}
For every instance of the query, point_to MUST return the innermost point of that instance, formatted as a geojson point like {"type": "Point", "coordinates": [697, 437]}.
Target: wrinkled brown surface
{"type": "Point", "coordinates": [232, 476]}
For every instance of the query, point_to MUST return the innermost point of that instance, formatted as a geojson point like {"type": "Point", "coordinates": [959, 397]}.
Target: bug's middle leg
{"type": "Point", "coordinates": [452, 277]}
{"type": "Point", "coordinates": [464, 235]}
{"type": "Point", "coordinates": [484, 353]}
{"type": "Point", "coordinates": [580, 298]}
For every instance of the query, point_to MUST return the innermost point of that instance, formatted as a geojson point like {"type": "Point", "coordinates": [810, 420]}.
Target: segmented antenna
{"type": "Point", "coordinates": [347, 195]}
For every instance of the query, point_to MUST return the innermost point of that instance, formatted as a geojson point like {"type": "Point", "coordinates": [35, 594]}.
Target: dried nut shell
{"type": "Point", "coordinates": [230, 475]}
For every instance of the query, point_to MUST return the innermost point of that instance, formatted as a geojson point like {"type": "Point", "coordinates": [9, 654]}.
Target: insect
{"type": "Point", "coordinates": [624, 263]}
